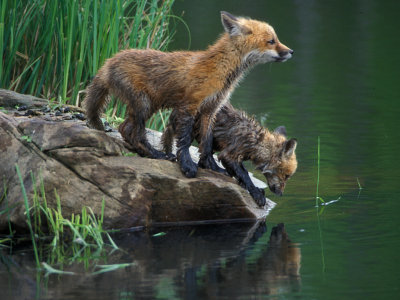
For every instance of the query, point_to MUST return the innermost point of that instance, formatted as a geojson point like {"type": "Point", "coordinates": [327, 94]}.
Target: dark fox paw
{"type": "Point", "coordinates": [170, 157]}
{"type": "Point", "coordinates": [209, 163]}
{"type": "Point", "coordinates": [258, 196]}
{"type": "Point", "coordinates": [188, 167]}
{"type": "Point", "coordinates": [189, 170]}
{"type": "Point", "coordinates": [161, 155]}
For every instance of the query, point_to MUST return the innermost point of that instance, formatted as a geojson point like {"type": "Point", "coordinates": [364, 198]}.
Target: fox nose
{"type": "Point", "coordinates": [276, 190]}
{"type": "Point", "coordinates": [284, 53]}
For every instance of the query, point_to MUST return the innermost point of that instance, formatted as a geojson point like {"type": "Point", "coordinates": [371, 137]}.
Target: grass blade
{"type": "Point", "coordinates": [318, 163]}
{"type": "Point", "coordinates": [109, 268]}
{"type": "Point", "coordinates": [50, 270]}
{"type": "Point", "coordinates": [28, 217]}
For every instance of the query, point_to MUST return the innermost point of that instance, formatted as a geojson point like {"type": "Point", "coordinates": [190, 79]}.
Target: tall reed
{"type": "Point", "coordinates": [71, 238]}
{"type": "Point", "coordinates": [53, 48]}
{"type": "Point", "coordinates": [317, 199]}
{"type": "Point", "coordinates": [28, 216]}
{"type": "Point", "coordinates": [318, 161]}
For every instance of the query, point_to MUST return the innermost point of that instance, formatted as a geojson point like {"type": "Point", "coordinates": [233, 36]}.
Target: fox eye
{"type": "Point", "coordinates": [271, 42]}
{"type": "Point", "coordinates": [287, 177]}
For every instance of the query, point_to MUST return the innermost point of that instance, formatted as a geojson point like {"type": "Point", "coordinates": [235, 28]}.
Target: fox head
{"type": "Point", "coordinates": [257, 40]}
{"type": "Point", "coordinates": [282, 163]}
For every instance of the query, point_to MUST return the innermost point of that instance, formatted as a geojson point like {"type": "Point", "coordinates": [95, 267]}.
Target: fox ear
{"type": "Point", "coordinates": [289, 147]}
{"type": "Point", "coordinates": [231, 24]}
{"type": "Point", "coordinates": [281, 130]}
{"type": "Point", "coordinates": [265, 169]}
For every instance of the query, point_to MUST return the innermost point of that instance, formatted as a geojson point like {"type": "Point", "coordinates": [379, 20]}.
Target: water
{"type": "Point", "coordinates": [343, 85]}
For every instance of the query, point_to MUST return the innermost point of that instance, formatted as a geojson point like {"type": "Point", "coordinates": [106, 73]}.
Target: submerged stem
{"type": "Point", "coordinates": [318, 160]}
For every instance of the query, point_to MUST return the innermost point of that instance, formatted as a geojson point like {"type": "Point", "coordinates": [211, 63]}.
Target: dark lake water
{"type": "Point", "coordinates": [342, 85]}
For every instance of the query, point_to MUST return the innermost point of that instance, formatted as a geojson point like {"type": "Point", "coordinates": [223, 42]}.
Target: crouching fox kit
{"type": "Point", "coordinates": [197, 82]}
{"type": "Point", "coordinates": [239, 138]}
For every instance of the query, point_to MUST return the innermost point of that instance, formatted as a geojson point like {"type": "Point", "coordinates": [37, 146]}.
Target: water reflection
{"type": "Point", "coordinates": [209, 261]}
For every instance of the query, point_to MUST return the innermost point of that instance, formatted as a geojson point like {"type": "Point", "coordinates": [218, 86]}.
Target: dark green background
{"type": "Point", "coordinates": [342, 84]}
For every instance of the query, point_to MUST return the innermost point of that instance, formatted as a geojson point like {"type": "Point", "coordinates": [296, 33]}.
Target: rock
{"type": "Point", "coordinates": [85, 166]}
{"type": "Point", "coordinates": [10, 99]}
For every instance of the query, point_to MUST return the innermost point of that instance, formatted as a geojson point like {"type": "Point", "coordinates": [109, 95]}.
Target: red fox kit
{"type": "Point", "coordinates": [189, 82]}
{"type": "Point", "coordinates": [239, 138]}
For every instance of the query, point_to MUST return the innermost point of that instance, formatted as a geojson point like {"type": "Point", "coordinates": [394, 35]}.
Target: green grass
{"type": "Point", "coordinates": [318, 211]}
{"type": "Point", "coordinates": [54, 48]}
{"type": "Point", "coordinates": [359, 184]}
{"type": "Point", "coordinates": [317, 197]}
{"type": "Point", "coordinates": [159, 120]}
{"type": "Point", "coordinates": [57, 240]}
{"type": "Point", "coordinates": [28, 217]}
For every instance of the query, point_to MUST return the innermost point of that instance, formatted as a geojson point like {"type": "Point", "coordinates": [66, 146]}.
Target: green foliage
{"type": "Point", "coordinates": [28, 216]}
{"type": "Point", "coordinates": [159, 234]}
{"type": "Point", "coordinates": [318, 164]}
{"type": "Point", "coordinates": [159, 120]}
{"type": "Point", "coordinates": [359, 184]}
{"type": "Point", "coordinates": [80, 238]}
{"type": "Point", "coordinates": [26, 138]}
{"type": "Point", "coordinates": [129, 154]}
{"type": "Point", "coordinates": [54, 48]}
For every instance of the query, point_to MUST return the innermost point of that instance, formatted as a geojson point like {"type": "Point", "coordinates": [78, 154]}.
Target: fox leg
{"type": "Point", "coordinates": [237, 170]}
{"type": "Point", "coordinates": [129, 132]}
{"type": "Point", "coordinates": [206, 154]}
{"type": "Point", "coordinates": [184, 127]}
{"type": "Point", "coordinates": [208, 111]}
{"type": "Point", "coordinates": [250, 181]}
{"type": "Point", "coordinates": [207, 160]}
{"type": "Point", "coordinates": [210, 163]}
{"type": "Point", "coordinates": [167, 138]}
{"type": "Point", "coordinates": [133, 128]}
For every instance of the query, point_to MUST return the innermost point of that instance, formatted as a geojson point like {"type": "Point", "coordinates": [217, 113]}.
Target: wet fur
{"type": "Point", "coordinates": [239, 138]}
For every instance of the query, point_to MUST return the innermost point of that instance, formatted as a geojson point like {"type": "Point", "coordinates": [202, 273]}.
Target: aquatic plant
{"type": "Point", "coordinates": [28, 217]}
{"type": "Point", "coordinates": [317, 197]}
{"type": "Point", "coordinates": [63, 239]}
{"type": "Point", "coordinates": [359, 185]}
{"type": "Point", "coordinates": [318, 212]}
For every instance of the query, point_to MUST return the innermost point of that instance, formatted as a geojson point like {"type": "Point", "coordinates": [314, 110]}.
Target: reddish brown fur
{"type": "Point", "coordinates": [189, 82]}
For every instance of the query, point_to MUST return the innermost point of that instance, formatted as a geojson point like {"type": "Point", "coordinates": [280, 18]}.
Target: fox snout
{"type": "Point", "coordinates": [284, 52]}
{"type": "Point", "coordinates": [284, 55]}
{"type": "Point", "coordinates": [277, 190]}
{"type": "Point", "coordinates": [275, 184]}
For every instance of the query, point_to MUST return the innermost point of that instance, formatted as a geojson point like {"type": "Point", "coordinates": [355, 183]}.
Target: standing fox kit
{"type": "Point", "coordinates": [191, 83]}
{"type": "Point", "coordinates": [240, 138]}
